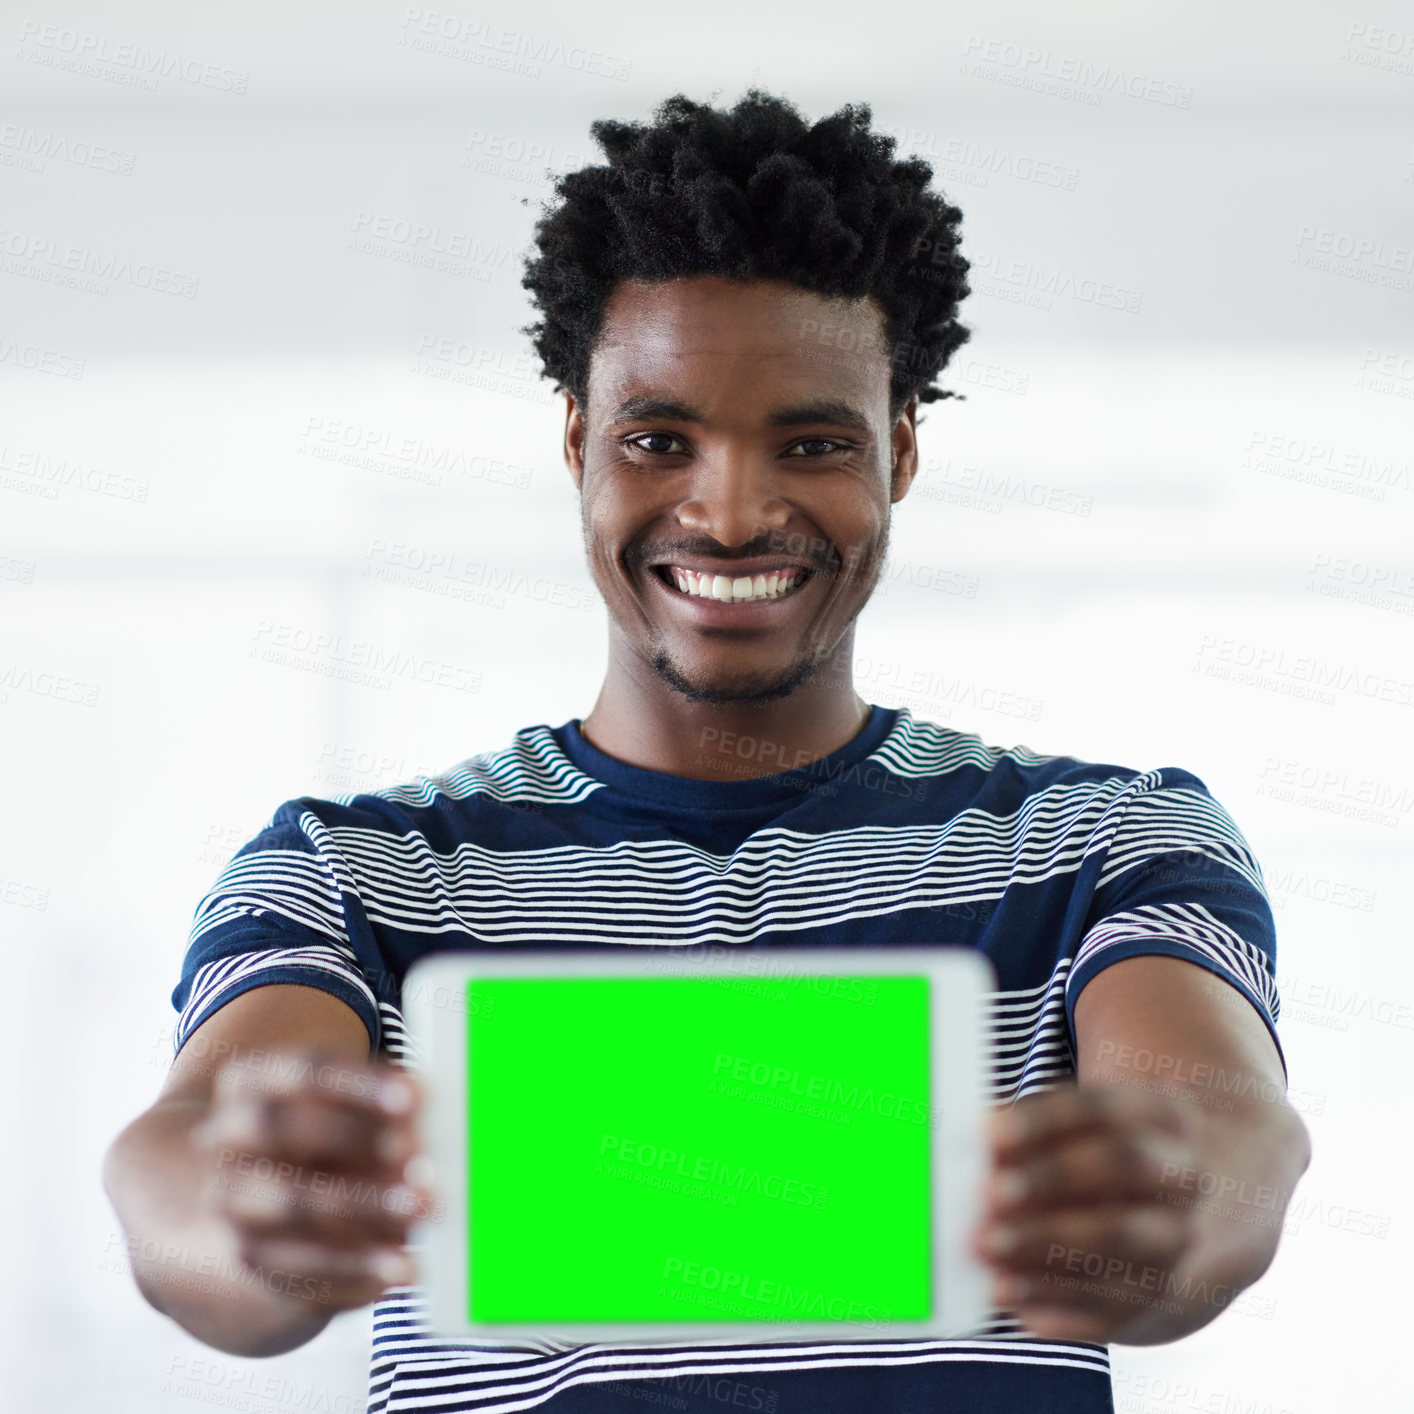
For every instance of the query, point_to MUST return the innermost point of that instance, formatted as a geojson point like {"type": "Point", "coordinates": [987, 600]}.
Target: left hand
{"type": "Point", "coordinates": [1087, 1228]}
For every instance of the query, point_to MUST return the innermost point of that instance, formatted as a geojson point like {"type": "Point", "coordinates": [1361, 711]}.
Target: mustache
{"type": "Point", "coordinates": [818, 553]}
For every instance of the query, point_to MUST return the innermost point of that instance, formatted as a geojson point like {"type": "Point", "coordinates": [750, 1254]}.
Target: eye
{"type": "Point", "coordinates": [641, 437]}
{"type": "Point", "coordinates": [828, 441]}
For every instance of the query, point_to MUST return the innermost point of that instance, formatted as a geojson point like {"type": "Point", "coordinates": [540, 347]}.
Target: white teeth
{"type": "Point", "coordinates": [738, 590]}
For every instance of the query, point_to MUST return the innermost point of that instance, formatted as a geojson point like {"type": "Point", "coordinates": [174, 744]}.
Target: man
{"type": "Point", "coordinates": [744, 313]}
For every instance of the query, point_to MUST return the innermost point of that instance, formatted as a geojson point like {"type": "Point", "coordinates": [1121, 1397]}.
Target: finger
{"type": "Point", "coordinates": [349, 1212]}
{"type": "Point", "coordinates": [376, 1104]}
{"type": "Point", "coordinates": [372, 1085]}
{"type": "Point", "coordinates": [1089, 1251]}
{"type": "Point", "coordinates": [1092, 1168]}
{"type": "Point", "coordinates": [1073, 1308]}
{"type": "Point", "coordinates": [325, 1275]}
{"type": "Point", "coordinates": [1036, 1121]}
{"type": "Point", "coordinates": [1065, 1322]}
{"type": "Point", "coordinates": [1085, 1297]}
{"type": "Point", "coordinates": [307, 1131]}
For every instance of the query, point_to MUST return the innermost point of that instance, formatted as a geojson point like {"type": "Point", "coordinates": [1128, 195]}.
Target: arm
{"type": "Point", "coordinates": [255, 1267]}
{"type": "Point", "coordinates": [1136, 1204]}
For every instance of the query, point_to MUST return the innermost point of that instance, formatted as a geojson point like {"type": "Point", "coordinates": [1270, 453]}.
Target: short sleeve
{"type": "Point", "coordinates": [1179, 879]}
{"type": "Point", "coordinates": [277, 913]}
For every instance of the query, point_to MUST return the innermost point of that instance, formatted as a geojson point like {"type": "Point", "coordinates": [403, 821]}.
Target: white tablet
{"type": "Point", "coordinates": [666, 1143]}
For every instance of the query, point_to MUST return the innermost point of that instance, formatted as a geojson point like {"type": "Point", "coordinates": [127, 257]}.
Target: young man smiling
{"type": "Point", "coordinates": [737, 473]}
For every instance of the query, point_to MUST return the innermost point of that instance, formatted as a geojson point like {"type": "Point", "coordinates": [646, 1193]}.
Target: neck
{"type": "Point", "coordinates": [639, 720]}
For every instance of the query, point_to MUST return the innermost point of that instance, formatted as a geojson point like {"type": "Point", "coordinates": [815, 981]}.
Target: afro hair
{"type": "Point", "coordinates": [754, 193]}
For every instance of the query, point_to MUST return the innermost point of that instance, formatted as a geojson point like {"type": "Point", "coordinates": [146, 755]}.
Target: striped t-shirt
{"type": "Point", "coordinates": [910, 834]}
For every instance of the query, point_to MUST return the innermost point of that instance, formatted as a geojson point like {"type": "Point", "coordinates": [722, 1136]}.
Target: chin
{"type": "Point", "coordinates": [767, 685]}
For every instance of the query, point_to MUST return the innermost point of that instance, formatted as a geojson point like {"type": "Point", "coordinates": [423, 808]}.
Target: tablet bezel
{"type": "Point", "coordinates": [434, 1012]}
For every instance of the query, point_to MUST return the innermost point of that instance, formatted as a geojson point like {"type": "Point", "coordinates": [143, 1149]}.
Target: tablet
{"type": "Point", "coordinates": [671, 1143]}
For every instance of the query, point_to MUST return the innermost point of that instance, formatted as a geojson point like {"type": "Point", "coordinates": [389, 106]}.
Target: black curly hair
{"type": "Point", "coordinates": [754, 193]}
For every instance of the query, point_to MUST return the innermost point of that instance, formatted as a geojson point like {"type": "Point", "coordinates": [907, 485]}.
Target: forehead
{"type": "Point", "coordinates": [675, 333]}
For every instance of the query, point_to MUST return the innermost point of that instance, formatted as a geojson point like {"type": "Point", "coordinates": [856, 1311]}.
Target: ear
{"type": "Point", "coordinates": [574, 441]}
{"type": "Point", "coordinates": [904, 451]}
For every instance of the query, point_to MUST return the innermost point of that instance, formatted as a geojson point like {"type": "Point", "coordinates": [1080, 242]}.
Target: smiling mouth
{"type": "Point", "coordinates": [739, 589]}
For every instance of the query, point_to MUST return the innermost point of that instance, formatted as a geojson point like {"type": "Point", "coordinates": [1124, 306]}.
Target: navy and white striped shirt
{"type": "Point", "coordinates": [910, 834]}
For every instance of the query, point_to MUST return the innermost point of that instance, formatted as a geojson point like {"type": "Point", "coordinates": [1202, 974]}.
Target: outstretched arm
{"type": "Point", "coordinates": [256, 1192]}
{"type": "Point", "coordinates": [1136, 1204]}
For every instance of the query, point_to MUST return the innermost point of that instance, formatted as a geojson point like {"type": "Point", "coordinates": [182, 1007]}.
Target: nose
{"type": "Point", "coordinates": [734, 499]}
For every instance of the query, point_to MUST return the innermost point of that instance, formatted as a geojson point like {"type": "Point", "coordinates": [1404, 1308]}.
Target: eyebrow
{"type": "Point", "coordinates": [834, 411]}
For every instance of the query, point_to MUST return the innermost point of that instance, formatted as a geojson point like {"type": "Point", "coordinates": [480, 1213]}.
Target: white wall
{"type": "Point", "coordinates": [1230, 459]}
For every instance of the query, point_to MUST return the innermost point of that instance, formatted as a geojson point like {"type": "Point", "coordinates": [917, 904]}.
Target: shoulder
{"type": "Point", "coordinates": [919, 747]}
{"type": "Point", "coordinates": [525, 773]}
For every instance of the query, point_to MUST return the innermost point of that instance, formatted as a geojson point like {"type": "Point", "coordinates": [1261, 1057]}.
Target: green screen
{"type": "Point", "coordinates": [699, 1149]}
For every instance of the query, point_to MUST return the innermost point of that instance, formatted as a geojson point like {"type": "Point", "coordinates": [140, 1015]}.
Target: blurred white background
{"type": "Point", "coordinates": [1180, 486]}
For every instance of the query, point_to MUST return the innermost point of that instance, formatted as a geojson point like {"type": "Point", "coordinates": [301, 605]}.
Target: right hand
{"type": "Point", "coordinates": [304, 1155]}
